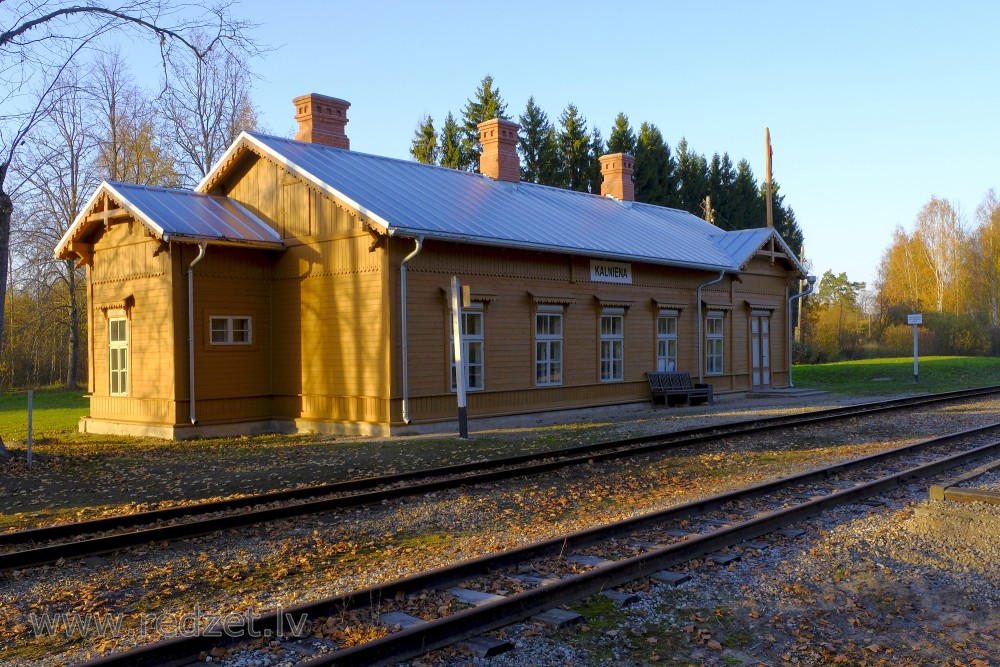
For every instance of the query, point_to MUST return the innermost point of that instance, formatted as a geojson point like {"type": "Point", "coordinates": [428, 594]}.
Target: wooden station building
{"type": "Point", "coordinates": [303, 286]}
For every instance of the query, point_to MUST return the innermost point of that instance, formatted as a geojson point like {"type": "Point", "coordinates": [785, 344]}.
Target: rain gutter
{"type": "Point", "coordinates": [202, 247]}
{"type": "Point", "coordinates": [701, 361]}
{"type": "Point", "coordinates": [419, 244]}
{"type": "Point", "coordinates": [809, 290]}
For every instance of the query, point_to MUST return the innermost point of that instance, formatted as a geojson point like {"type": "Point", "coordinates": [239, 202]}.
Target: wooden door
{"type": "Point", "coordinates": [760, 350]}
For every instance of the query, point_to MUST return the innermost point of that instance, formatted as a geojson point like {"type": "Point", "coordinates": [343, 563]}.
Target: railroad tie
{"type": "Point", "coordinates": [487, 647]}
{"type": "Point", "coordinates": [559, 619]}
{"type": "Point", "coordinates": [670, 577]}
{"type": "Point", "coordinates": [403, 620]}
{"type": "Point", "coordinates": [472, 597]}
{"type": "Point", "coordinates": [589, 561]}
{"type": "Point", "coordinates": [621, 599]}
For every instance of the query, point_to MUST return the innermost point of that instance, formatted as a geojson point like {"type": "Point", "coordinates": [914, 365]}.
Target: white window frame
{"type": "Point", "coordinates": [119, 357]}
{"type": "Point", "coordinates": [548, 346]}
{"type": "Point", "coordinates": [666, 359]}
{"type": "Point", "coordinates": [715, 336]}
{"type": "Point", "coordinates": [470, 342]}
{"type": "Point", "coordinates": [229, 330]}
{"type": "Point", "coordinates": [612, 345]}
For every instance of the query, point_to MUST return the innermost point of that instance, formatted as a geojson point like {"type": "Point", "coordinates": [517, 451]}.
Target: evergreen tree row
{"type": "Point", "coordinates": [566, 155]}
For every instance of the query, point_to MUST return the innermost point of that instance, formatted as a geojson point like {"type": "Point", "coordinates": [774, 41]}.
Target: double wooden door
{"type": "Point", "coordinates": [760, 350]}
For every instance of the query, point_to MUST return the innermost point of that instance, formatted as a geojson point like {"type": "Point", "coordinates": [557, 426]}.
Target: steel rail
{"type": "Point", "coordinates": [445, 478]}
{"type": "Point", "coordinates": [451, 629]}
{"type": "Point", "coordinates": [170, 649]}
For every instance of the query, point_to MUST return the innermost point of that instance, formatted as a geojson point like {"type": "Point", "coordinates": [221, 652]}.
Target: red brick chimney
{"type": "Point", "coordinates": [617, 171]}
{"type": "Point", "coordinates": [499, 158]}
{"type": "Point", "coordinates": [322, 120]}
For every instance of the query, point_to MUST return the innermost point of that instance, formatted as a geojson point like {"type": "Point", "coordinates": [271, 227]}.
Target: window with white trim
{"type": "Point", "coordinates": [118, 344]}
{"type": "Point", "coordinates": [231, 330]}
{"type": "Point", "coordinates": [548, 345]}
{"type": "Point", "coordinates": [473, 348]}
{"type": "Point", "coordinates": [666, 341]}
{"type": "Point", "coordinates": [714, 322]}
{"type": "Point", "coordinates": [612, 344]}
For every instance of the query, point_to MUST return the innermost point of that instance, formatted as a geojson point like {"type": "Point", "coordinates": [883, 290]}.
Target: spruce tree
{"type": "Point", "coordinates": [653, 168]}
{"type": "Point", "coordinates": [596, 151]}
{"type": "Point", "coordinates": [424, 148]}
{"type": "Point", "coordinates": [550, 170]}
{"type": "Point", "coordinates": [486, 105]}
{"type": "Point", "coordinates": [622, 139]}
{"type": "Point", "coordinates": [574, 149]}
{"type": "Point", "coordinates": [535, 128]}
{"type": "Point", "coordinates": [721, 179]}
{"type": "Point", "coordinates": [692, 176]}
{"type": "Point", "coordinates": [451, 143]}
{"type": "Point", "coordinates": [747, 207]}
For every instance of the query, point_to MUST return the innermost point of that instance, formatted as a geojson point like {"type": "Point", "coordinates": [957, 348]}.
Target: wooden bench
{"type": "Point", "coordinates": [669, 387]}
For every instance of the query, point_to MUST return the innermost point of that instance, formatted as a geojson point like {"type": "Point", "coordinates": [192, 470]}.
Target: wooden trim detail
{"type": "Point", "coordinates": [556, 299]}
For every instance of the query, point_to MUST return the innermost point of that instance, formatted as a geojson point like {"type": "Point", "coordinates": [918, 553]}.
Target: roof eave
{"type": "Point", "coordinates": [562, 250]}
{"type": "Point", "coordinates": [174, 237]}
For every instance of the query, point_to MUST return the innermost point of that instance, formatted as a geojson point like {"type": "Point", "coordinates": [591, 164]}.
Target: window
{"type": "Point", "coordinates": [612, 345]}
{"type": "Point", "coordinates": [713, 343]}
{"type": "Point", "coordinates": [118, 343]}
{"type": "Point", "coordinates": [472, 348]}
{"type": "Point", "coordinates": [548, 345]}
{"type": "Point", "coordinates": [666, 341]}
{"type": "Point", "coordinates": [230, 330]}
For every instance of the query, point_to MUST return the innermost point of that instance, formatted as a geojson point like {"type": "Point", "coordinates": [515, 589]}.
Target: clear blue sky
{"type": "Point", "coordinates": [873, 106]}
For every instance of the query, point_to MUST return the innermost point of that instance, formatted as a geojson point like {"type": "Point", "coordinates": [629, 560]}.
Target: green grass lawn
{"type": "Point", "coordinates": [55, 412]}
{"type": "Point", "coordinates": [895, 376]}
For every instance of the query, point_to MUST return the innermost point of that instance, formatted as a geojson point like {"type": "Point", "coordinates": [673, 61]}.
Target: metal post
{"type": "Point", "coordinates": [916, 368]}
{"type": "Point", "coordinates": [460, 368]}
{"type": "Point", "coordinates": [30, 409]}
{"type": "Point", "coordinates": [770, 215]}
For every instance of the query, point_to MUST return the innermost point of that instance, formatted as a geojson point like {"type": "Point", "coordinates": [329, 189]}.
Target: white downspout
{"type": "Point", "coordinates": [419, 241]}
{"type": "Point", "coordinates": [202, 247]}
{"type": "Point", "coordinates": [701, 362]}
{"type": "Point", "coordinates": [812, 283]}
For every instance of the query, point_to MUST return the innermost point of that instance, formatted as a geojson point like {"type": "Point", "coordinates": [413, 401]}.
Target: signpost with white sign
{"type": "Point", "coordinates": [461, 372]}
{"type": "Point", "coordinates": [916, 320]}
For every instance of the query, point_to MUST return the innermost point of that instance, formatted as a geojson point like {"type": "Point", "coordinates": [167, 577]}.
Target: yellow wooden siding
{"type": "Point", "coordinates": [296, 210]}
{"type": "Point", "coordinates": [326, 319]}
{"type": "Point", "coordinates": [328, 316]}
{"type": "Point", "coordinates": [229, 371]}
{"type": "Point", "coordinates": [133, 409]}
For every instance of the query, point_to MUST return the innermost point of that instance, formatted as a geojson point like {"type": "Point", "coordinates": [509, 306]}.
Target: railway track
{"type": "Point", "coordinates": [39, 546]}
{"type": "Point", "coordinates": [544, 575]}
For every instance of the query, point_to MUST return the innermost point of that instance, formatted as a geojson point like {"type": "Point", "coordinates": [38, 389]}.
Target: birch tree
{"type": "Point", "coordinates": [939, 231]}
{"type": "Point", "coordinates": [59, 174]}
{"type": "Point", "coordinates": [986, 257]}
{"type": "Point", "coordinates": [207, 102]}
{"type": "Point", "coordinates": [128, 131]}
{"type": "Point", "coordinates": [41, 39]}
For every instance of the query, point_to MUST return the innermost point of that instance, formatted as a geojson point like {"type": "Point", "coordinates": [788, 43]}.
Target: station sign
{"type": "Point", "coordinates": [915, 319]}
{"type": "Point", "coordinates": [610, 272]}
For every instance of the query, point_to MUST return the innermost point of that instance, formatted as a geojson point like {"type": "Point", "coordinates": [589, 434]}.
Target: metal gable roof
{"type": "Point", "coordinates": [181, 215]}
{"type": "Point", "coordinates": [408, 198]}
{"type": "Point", "coordinates": [743, 244]}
